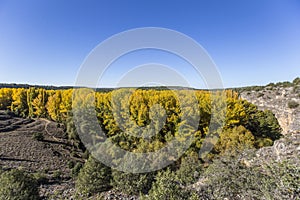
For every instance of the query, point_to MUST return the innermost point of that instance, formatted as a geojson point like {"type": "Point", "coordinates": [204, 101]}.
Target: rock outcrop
{"type": "Point", "coordinates": [284, 102]}
{"type": "Point", "coordinates": [286, 148]}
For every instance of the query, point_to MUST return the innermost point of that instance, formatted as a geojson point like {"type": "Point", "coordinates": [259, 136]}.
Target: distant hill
{"type": "Point", "coordinates": [50, 87]}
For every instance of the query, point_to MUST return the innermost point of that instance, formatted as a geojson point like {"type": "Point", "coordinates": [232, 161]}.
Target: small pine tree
{"type": "Point", "coordinates": [132, 184]}
{"type": "Point", "coordinates": [93, 178]}
{"type": "Point", "coordinates": [167, 187]}
{"type": "Point", "coordinates": [17, 185]}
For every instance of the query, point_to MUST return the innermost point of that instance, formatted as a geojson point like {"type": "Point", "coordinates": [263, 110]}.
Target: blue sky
{"type": "Point", "coordinates": [252, 42]}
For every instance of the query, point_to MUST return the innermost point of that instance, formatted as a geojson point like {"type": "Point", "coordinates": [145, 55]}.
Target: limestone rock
{"type": "Point", "coordinates": [276, 99]}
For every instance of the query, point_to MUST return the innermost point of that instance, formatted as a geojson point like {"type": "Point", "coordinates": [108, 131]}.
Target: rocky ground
{"type": "Point", "coordinates": [286, 148]}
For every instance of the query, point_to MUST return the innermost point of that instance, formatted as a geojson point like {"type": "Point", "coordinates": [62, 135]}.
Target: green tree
{"type": "Point", "coordinates": [167, 187]}
{"type": "Point", "coordinates": [264, 126]}
{"type": "Point", "coordinates": [17, 185]}
{"type": "Point", "coordinates": [71, 131]}
{"type": "Point", "coordinates": [296, 81]}
{"type": "Point", "coordinates": [132, 184]}
{"type": "Point", "coordinates": [93, 178]}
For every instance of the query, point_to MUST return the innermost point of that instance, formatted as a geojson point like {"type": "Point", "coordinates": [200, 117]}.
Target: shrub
{"type": "Point", "coordinates": [282, 179]}
{"type": "Point", "coordinates": [260, 95]}
{"type": "Point", "coordinates": [17, 185]}
{"type": "Point", "coordinates": [189, 169]}
{"type": "Point", "coordinates": [229, 177]}
{"type": "Point", "coordinates": [271, 85]}
{"type": "Point", "coordinates": [285, 84]}
{"type": "Point", "coordinates": [93, 178]}
{"type": "Point", "coordinates": [234, 177]}
{"type": "Point", "coordinates": [86, 154]}
{"type": "Point", "coordinates": [41, 178]}
{"type": "Point", "coordinates": [76, 169]}
{"type": "Point", "coordinates": [132, 184]}
{"type": "Point", "coordinates": [293, 104]}
{"type": "Point", "coordinates": [296, 89]}
{"type": "Point", "coordinates": [236, 138]}
{"type": "Point", "coordinates": [264, 125]}
{"type": "Point", "coordinates": [38, 136]}
{"type": "Point", "coordinates": [167, 186]}
{"type": "Point", "coordinates": [71, 164]}
{"type": "Point", "coordinates": [57, 174]}
{"type": "Point", "coordinates": [296, 81]}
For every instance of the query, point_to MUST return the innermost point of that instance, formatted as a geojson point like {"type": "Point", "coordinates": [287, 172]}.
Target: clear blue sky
{"type": "Point", "coordinates": [252, 42]}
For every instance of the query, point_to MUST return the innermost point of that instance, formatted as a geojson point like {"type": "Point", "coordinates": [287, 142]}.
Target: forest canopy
{"type": "Point", "coordinates": [243, 122]}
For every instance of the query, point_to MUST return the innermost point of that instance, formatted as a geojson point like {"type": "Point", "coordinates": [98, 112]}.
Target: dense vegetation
{"type": "Point", "coordinates": [244, 127]}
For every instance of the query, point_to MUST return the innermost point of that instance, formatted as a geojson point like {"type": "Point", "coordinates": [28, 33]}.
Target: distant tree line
{"type": "Point", "coordinates": [295, 83]}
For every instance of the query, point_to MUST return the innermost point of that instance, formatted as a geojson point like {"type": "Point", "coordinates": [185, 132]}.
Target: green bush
{"type": "Point", "coordinates": [189, 169]}
{"type": "Point", "coordinates": [167, 187]}
{"type": "Point", "coordinates": [41, 178]}
{"type": "Point", "coordinates": [57, 174]}
{"type": "Point", "coordinates": [93, 178]}
{"type": "Point", "coordinates": [264, 125]}
{"type": "Point", "coordinates": [132, 184]}
{"type": "Point", "coordinates": [86, 154]}
{"type": "Point", "coordinates": [38, 136]}
{"type": "Point", "coordinates": [260, 95]}
{"type": "Point", "coordinates": [282, 179]}
{"type": "Point", "coordinates": [296, 81]}
{"type": "Point", "coordinates": [293, 104]}
{"type": "Point", "coordinates": [230, 177]}
{"type": "Point", "coordinates": [284, 84]}
{"type": "Point", "coordinates": [237, 177]}
{"type": "Point", "coordinates": [71, 164]}
{"type": "Point", "coordinates": [17, 185]}
{"type": "Point", "coordinates": [236, 138]}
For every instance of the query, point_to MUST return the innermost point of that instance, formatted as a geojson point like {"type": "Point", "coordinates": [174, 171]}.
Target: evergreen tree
{"type": "Point", "coordinates": [132, 184]}
{"type": "Point", "coordinates": [17, 185]}
{"type": "Point", "coordinates": [93, 178]}
{"type": "Point", "coordinates": [167, 187]}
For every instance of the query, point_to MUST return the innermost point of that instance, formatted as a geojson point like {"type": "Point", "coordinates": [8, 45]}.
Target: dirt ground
{"type": "Point", "coordinates": [49, 157]}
